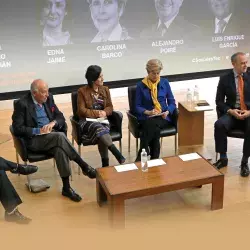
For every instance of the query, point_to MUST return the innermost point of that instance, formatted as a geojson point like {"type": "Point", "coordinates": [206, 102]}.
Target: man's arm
{"type": "Point", "coordinates": [18, 121]}
{"type": "Point", "coordinates": [220, 97]}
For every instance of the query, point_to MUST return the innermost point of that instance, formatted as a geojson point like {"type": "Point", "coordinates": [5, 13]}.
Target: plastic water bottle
{"type": "Point", "coordinates": [189, 96]}
{"type": "Point", "coordinates": [196, 94]}
{"type": "Point", "coordinates": [144, 159]}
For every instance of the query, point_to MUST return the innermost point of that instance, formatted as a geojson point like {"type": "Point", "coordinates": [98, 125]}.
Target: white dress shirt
{"type": "Point", "coordinates": [217, 28]}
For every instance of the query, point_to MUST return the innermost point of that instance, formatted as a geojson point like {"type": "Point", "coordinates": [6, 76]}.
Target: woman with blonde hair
{"type": "Point", "coordinates": [155, 104]}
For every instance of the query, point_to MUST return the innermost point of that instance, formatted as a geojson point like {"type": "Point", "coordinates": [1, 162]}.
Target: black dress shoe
{"type": "Point", "coordinates": [221, 163]}
{"type": "Point", "coordinates": [70, 193]}
{"type": "Point", "coordinates": [244, 172]}
{"type": "Point", "coordinates": [17, 217]}
{"type": "Point", "coordinates": [90, 172]}
{"type": "Point", "coordinates": [24, 169]}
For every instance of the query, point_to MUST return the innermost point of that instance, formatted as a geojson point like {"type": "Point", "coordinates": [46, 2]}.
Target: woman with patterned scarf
{"type": "Point", "coordinates": [154, 105]}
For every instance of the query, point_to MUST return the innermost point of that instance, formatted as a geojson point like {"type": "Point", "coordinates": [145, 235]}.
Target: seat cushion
{"type": "Point", "coordinates": [116, 136]}
{"type": "Point", "coordinates": [236, 133]}
{"type": "Point", "coordinates": [168, 131]}
{"type": "Point", "coordinates": [35, 157]}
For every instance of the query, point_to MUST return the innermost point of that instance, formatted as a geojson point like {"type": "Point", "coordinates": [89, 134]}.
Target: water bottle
{"type": "Point", "coordinates": [144, 159]}
{"type": "Point", "coordinates": [189, 96]}
{"type": "Point", "coordinates": [196, 94]}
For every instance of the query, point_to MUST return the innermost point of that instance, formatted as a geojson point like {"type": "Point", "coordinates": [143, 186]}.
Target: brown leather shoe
{"type": "Point", "coordinates": [17, 217]}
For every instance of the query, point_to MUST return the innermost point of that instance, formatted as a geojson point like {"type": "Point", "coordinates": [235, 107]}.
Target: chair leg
{"type": "Point", "coordinates": [120, 145]}
{"type": "Point", "coordinates": [28, 178]}
{"type": "Point", "coordinates": [129, 139]}
{"type": "Point", "coordinates": [175, 144]}
{"type": "Point", "coordinates": [17, 158]}
{"type": "Point", "coordinates": [216, 157]}
{"type": "Point", "coordinates": [79, 152]}
{"type": "Point", "coordinates": [71, 168]}
{"type": "Point", "coordinates": [161, 141]}
{"type": "Point", "coordinates": [136, 146]}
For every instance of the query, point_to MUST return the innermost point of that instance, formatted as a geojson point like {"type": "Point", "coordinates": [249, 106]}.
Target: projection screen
{"type": "Point", "coordinates": [57, 40]}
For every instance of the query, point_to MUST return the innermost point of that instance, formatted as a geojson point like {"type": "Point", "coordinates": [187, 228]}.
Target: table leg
{"type": "Point", "coordinates": [100, 193]}
{"type": "Point", "coordinates": [217, 193]}
{"type": "Point", "coordinates": [116, 211]}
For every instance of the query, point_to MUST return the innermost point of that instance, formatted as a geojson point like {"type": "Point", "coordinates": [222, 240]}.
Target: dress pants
{"type": "Point", "coordinates": [58, 145]}
{"type": "Point", "coordinates": [8, 195]}
{"type": "Point", "coordinates": [224, 124]}
{"type": "Point", "coordinates": [150, 136]}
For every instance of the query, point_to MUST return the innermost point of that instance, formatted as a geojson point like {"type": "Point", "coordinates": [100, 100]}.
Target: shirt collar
{"type": "Point", "coordinates": [167, 24]}
{"type": "Point", "coordinates": [225, 19]}
{"type": "Point", "coordinates": [236, 74]}
{"type": "Point", "coordinates": [35, 102]}
{"type": "Point", "coordinates": [114, 36]}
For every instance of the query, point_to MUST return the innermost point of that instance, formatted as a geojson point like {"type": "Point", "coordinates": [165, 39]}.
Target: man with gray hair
{"type": "Point", "coordinates": [38, 120]}
{"type": "Point", "coordinates": [170, 24]}
{"type": "Point", "coordinates": [106, 18]}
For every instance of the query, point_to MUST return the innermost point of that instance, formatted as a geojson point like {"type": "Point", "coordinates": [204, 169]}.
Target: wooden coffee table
{"type": "Point", "coordinates": [116, 187]}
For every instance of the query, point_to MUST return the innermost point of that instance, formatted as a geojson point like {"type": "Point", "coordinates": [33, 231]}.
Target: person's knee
{"type": "Point", "coordinates": [60, 137]}
{"type": "Point", "coordinates": [219, 125]}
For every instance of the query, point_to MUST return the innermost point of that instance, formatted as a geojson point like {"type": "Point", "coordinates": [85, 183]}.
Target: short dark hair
{"type": "Point", "coordinates": [92, 74]}
{"type": "Point", "coordinates": [235, 55]}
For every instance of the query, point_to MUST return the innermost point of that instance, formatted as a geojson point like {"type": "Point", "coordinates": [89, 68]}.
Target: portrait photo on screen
{"type": "Point", "coordinates": [171, 21]}
{"type": "Point", "coordinates": [56, 21]}
{"type": "Point", "coordinates": [106, 15]}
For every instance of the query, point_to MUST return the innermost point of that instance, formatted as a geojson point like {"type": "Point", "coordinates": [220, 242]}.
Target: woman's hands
{"type": "Point", "coordinates": [151, 112]}
{"type": "Point", "coordinates": [102, 114]}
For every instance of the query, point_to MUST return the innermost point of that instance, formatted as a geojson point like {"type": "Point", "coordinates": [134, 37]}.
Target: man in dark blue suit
{"type": "Point", "coordinates": [233, 103]}
{"type": "Point", "coordinates": [8, 195]}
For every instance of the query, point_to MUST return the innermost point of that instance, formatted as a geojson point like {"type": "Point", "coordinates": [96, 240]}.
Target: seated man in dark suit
{"type": "Point", "coordinates": [8, 195]}
{"type": "Point", "coordinates": [37, 119]}
{"type": "Point", "coordinates": [171, 24]}
{"type": "Point", "coordinates": [233, 102]}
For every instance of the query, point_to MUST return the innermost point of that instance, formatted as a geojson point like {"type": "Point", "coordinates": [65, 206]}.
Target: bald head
{"type": "Point", "coordinates": [39, 90]}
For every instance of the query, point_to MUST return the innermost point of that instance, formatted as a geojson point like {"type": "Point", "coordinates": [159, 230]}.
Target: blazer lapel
{"type": "Point", "coordinates": [232, 83]}
{"type": "Point", "coordinates": [246, 85]}
{"type": "Point", "coordinates": [47, 109]}
{"type": "Point", "coordinates": [32, 110]}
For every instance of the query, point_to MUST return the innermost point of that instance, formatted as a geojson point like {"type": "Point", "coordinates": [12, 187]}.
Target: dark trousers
{"type": "Point", "coordinates": [8, 195]}
{"type": "Point", "coordinates": [6, 165]}
{"type": "Point", "coordinates": [58, 145]}
{"type": "Point", "coordinates": [226, 123]}
{"type": "Point", "coordinates": [150, 136]}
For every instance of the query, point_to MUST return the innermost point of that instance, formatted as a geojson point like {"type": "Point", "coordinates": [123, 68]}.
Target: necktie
{"type": "Point", "coordinates": [241, 92]}
{"type": "Point", "coordinates": [221, 25]}
{"type": "Point", "coordinates": [163, 29]}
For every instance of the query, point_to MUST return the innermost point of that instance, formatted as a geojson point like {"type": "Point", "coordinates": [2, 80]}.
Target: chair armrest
{"type": "Point", "coordinates": [76, 131]}
{"type": "Point", "coordinates": [20, 146]}
{"type": "Point", "coordinates": [63, 128]}
{"type": "Point", "coordinates": [115, 120]}
{"type": "Point", "coordinates": [133, 124]}
{"type": "Point", "coordinates": [175, 117]}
